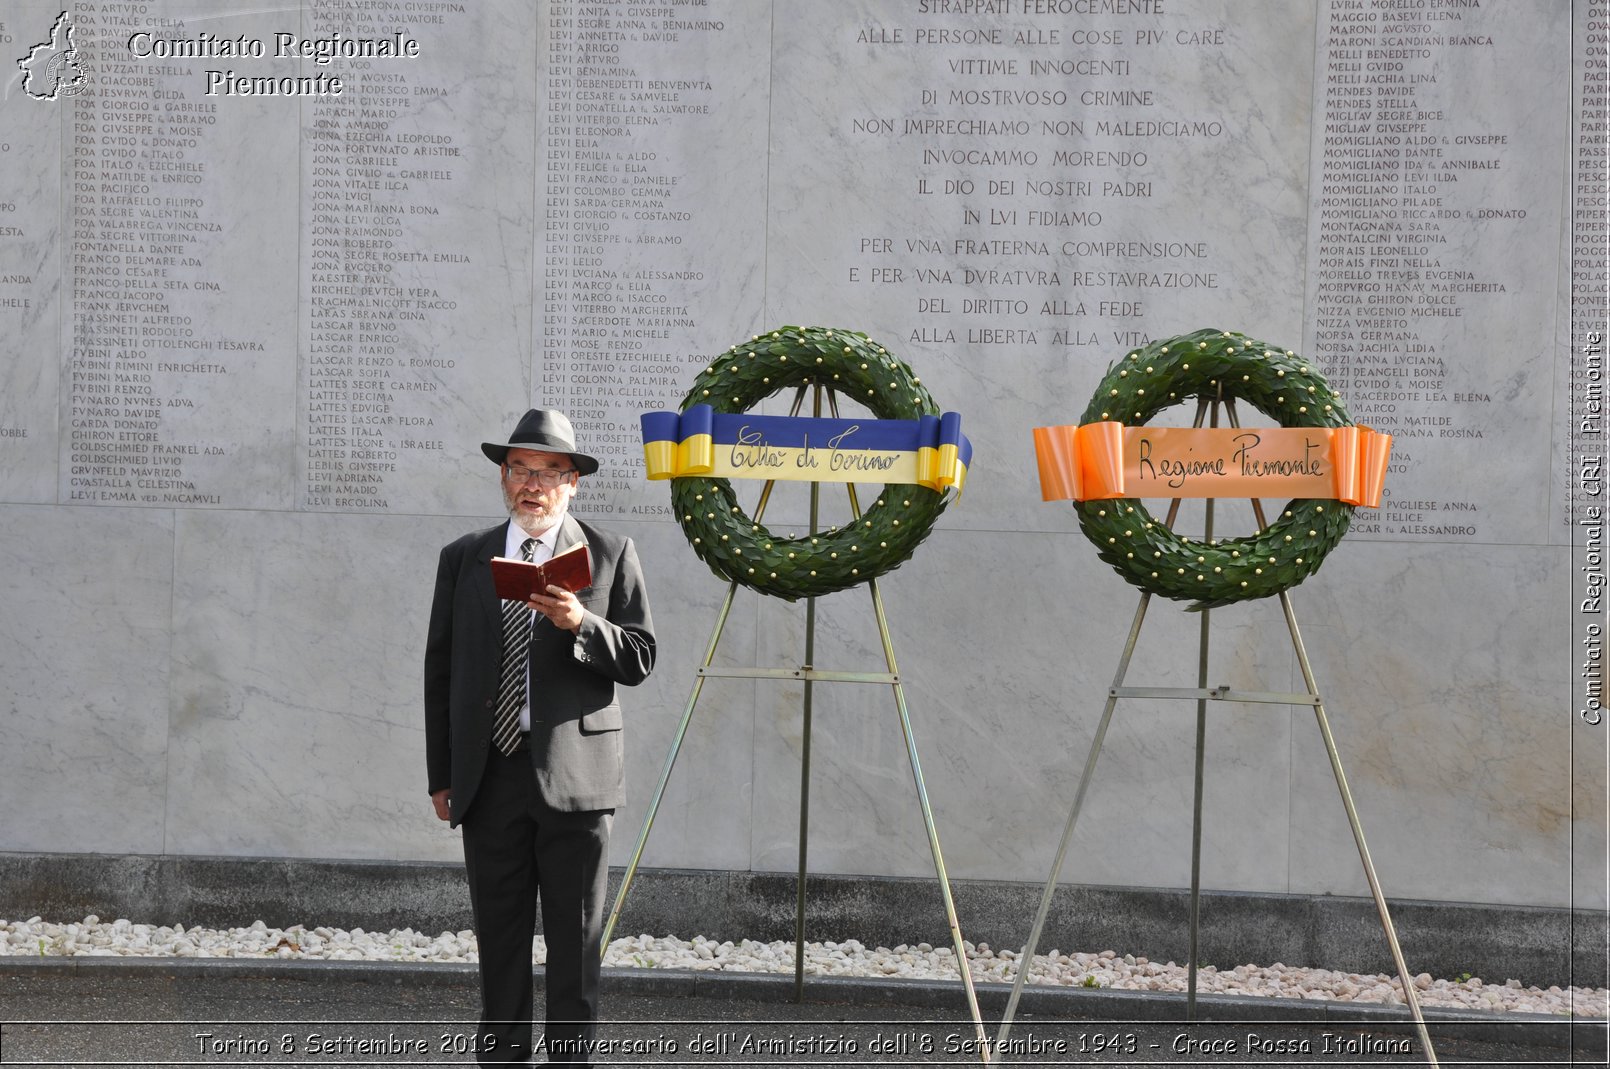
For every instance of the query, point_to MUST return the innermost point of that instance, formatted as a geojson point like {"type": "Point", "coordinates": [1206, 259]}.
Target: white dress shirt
{"type": "Point", "coordinates": [513, 540]}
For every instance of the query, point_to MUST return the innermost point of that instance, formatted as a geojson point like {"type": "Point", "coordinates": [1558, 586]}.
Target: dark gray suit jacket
{"type": "Point", "coordinates": [576, 717]}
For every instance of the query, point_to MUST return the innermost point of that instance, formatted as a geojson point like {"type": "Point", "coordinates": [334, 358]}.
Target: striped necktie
{"type": "Point", "coordinates": [516, 655]}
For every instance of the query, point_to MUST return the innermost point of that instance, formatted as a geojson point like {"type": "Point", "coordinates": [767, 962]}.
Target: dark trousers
{"type": "Point", "coordinates": [517, 852]}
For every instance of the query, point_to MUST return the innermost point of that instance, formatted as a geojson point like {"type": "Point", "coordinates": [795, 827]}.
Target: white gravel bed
{"type": "Point", "coordinates": [1107, 969]}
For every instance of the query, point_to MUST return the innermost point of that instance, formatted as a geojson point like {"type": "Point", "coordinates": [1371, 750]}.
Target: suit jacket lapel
{"type": "Point", "coordinates": [491, 546]}
{"type": "Point", "coordinates": [570, 533]}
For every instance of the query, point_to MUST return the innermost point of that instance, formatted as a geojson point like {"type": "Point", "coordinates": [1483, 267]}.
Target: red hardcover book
{"type": "Point", "coordinates": [517, 580]}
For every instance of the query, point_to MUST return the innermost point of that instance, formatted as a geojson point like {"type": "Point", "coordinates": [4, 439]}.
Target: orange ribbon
{"type": "Point", "coordinates": [1100, 461]}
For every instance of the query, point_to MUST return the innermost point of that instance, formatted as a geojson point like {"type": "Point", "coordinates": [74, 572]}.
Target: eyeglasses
{"type": "Point", "coordinates": [547, 478]}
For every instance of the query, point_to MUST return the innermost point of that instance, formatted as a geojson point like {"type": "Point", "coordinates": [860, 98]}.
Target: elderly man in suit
{"type": "Point", "coordinates": [523, 738]}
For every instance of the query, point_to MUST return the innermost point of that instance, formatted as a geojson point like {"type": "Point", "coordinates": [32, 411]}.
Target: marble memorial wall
{"type": "Point", "coordinates": [269, 277]}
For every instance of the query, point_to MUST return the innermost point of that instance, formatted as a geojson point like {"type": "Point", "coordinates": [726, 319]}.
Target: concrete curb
{"type": "Point", "coordinates": [1583, 1035]}
{"type": "Point", "coordinates": [1538, 946]}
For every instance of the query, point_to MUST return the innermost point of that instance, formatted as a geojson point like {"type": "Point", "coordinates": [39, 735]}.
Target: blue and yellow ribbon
{"type": "Point", "coordinates": [930, 451]}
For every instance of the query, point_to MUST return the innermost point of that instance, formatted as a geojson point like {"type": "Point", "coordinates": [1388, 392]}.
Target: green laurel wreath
{"type": "Point", "coordinates": [805, 565]}
{"type": "Point", "coordinates": [1223, 570]}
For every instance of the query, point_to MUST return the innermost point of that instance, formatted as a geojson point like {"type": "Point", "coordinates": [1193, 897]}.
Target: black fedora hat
{"type": "Point", "coordinates": [546, 430]}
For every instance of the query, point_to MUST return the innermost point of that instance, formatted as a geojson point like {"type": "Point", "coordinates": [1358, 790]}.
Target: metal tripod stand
{"type": "Point", "coordinates": [1203, 694]}
{"type": "Point", "coordinates": [809, 674]}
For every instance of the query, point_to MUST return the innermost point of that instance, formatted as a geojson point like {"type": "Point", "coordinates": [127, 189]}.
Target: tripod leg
{"type": "Point", "coordinates": [1196, 797]}
{"type": "Point", "coordinates": [805, 755]}
{"type": "Point", "coordinates": [665, 775]}
{"type": "Point", "coordinates": [1029, 948]}
{"type": "Point", "coordinates": [1409, 995]}
{"type": "Point", "coordinates": [1196, 823]}
{"type": "Point", "coordinates": [928, 823]}
{"type": "Point", "coordinates": [1027, 957]}
{"type": "Point", "coordinates": [682, 727]}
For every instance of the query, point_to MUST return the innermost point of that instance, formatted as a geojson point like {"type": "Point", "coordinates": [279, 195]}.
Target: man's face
{"type": "Point", "coordinates": [534, 507]}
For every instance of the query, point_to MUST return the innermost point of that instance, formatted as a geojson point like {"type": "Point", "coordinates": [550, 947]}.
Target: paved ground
{"type": "Point", "coordinates": [116, 1013]}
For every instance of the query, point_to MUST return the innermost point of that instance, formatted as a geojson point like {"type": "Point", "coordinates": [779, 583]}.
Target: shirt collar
{"type": "Point", "coordinates": [515, 537]}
